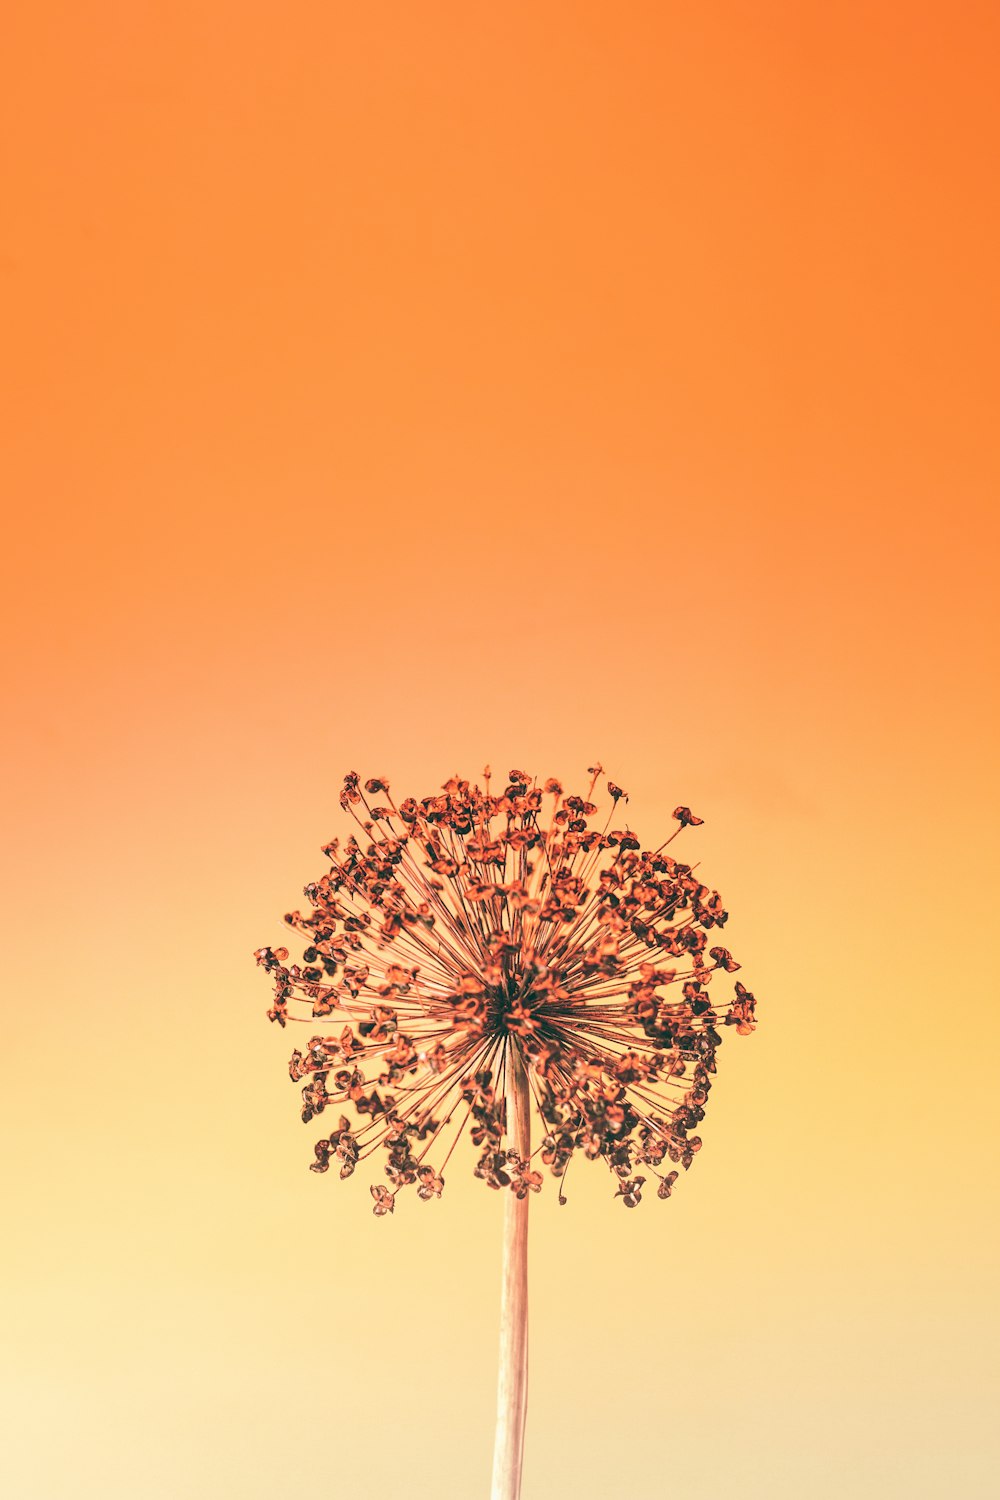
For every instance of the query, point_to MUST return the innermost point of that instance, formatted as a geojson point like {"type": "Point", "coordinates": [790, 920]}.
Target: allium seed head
{"type": "Point", "coordinates": [464, 927]}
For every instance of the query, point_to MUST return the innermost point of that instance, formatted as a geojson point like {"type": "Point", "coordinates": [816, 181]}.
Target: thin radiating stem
{"type": "Point", "coordinates": [512, 1384]}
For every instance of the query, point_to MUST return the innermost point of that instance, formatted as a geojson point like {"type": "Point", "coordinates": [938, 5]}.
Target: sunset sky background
{"type": "Point", "coordinates": [401, 388]}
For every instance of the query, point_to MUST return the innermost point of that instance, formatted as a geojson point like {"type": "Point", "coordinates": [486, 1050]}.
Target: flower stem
{"type": "Point", "coordinates": [512, 1385]}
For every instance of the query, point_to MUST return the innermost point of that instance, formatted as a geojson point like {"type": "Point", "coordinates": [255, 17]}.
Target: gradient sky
{"type": "Point", "coordinates": [402, 388]}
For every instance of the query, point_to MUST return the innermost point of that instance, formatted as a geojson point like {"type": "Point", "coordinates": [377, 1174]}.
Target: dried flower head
{"type": "Point", "coordinates": [467, 924]}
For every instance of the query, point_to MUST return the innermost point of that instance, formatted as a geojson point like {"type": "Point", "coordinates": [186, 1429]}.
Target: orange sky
{"type": "Point", "coordinates": [401, 388]}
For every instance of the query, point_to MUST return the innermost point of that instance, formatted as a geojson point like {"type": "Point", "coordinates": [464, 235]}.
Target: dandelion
{"type": "Point", "coordinates": [490, 961]}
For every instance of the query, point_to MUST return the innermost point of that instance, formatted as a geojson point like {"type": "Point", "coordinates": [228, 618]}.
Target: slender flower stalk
{"type": "Point", "coordinates": [487, 958]}
{"type": "Point", "coordinates": [512, 1382]}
